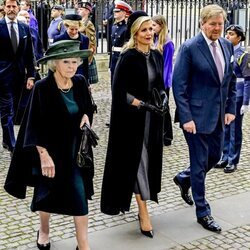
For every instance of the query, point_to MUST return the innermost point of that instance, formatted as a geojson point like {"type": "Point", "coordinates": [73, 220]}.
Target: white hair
{"type": "Point", "coordinates": [52, 63]}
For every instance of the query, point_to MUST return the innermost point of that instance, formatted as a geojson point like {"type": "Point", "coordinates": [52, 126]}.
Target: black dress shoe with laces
{"type": "Point", "coordinates": [230, 168]}
{"type": "Point", "coordinates": [221, 164]}
{"type": "Point", "coordinates": [184, 191]}
{"type": "Point", "coordinates": [209, 223]}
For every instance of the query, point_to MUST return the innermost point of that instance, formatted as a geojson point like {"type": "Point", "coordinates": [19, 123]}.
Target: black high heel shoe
{"type": "Point", "coordinates": [42, 246]}
{"type": "Point", "coordinates": [149, 234]}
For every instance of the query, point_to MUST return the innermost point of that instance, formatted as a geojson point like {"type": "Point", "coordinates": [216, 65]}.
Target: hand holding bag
{"type": "Point", "coordinates": [84, 155]}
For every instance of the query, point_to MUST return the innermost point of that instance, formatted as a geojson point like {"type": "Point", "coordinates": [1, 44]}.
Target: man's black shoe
{"type": "Point", "coordinates": [184, 192]}
{"type": "Point", "coordinates": [230, 168]}
{"type": "Point", "coordinates": [221, 164]}
{"type": "Point", "coordinates": [209, 223]}
{"type": "Point", "coordinates": [5, 146]}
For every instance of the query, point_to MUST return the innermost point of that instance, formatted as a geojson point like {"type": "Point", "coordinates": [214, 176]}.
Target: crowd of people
{"type": "Point", "coordinates": [210, 83]}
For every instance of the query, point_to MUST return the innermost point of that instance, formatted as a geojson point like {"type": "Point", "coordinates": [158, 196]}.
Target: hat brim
{"type": "Point", "coordinates": [87, 8]}
{"type": "Point", "coordinates": [71, 54]}
{"type": "Point", "coordinates": [117, 9]}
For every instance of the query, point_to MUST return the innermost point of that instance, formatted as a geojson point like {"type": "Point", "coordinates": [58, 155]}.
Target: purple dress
{"type": "Point", "coordinates": [168, 53]}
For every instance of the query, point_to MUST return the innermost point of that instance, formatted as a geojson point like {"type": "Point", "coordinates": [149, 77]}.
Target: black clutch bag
{"type": "Point", "coordinates": [84, 155]}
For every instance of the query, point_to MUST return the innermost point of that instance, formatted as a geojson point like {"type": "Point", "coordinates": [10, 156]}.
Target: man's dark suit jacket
{"type": "Point", "coordinates": [198, 92]}
{"type": "Point", "coordinates": [23, 61]}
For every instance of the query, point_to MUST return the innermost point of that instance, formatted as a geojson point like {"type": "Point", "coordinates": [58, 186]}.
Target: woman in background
{"type": "Point", "coordinates": [166, 47]}
{"type": "Point", "coordinates": [233, 132]}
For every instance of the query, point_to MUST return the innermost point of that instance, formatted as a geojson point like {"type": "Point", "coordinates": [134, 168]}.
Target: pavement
{"type": "Point", "coordinates": [174, 222]}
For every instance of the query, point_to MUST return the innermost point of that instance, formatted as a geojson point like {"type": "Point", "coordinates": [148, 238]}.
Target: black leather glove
{"type": "Point", "coordinates": [165, 107]}
{"type": "Point", "coordinates": [160, 100]}
{"type": "Point", "coordinates": [149, 107]}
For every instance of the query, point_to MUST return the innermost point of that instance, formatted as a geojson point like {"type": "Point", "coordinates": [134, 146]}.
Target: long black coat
{"type": "Point", "coordinates": [47, 123]}
{"type": "Point", "coordinates": [127, 132]}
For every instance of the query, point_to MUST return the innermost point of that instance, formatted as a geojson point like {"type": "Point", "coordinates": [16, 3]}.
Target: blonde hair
{"type": "Point", "coordinates": [133, 31]}
{"type": "Point", "coordinates": [211, 10]}
{"type": "Point", "coordinates": [68, 23]}
{"type": "Point", "coordinates": [161, 21]}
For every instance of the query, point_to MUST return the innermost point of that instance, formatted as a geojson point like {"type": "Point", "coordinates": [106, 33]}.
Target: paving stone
{"type": "Point", "coordinates": [15, 215]}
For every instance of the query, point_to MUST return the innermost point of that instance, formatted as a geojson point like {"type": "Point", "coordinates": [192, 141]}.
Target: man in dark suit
{"type": "Point", "coordinates": [16, 62]}
{"type": "Point", "coordinates": [118, 33]}
{"type": "Point", "coordinates": [205, 95]}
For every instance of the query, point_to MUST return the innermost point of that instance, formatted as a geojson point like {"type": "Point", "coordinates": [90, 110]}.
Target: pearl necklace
{"type": "Point", "coordinates": [143, 52]}
{"type": "Point", "coordinates": [65, 91]}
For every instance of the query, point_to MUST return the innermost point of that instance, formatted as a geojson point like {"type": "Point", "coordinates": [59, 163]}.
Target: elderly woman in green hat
{"type": "Point", "coordinates": [47, 144]}
{"type": "Point", "coordinates": [73, 23]}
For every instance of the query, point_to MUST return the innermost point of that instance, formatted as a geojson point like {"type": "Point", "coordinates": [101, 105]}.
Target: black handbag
{"type": "Point", "coordinates": [84, 155]}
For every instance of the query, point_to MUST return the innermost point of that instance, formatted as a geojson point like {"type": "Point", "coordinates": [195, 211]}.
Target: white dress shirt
{"type": "Point", "coordinates": [15, 26]}
{"type": "Point", "coordinates": [218, 48]}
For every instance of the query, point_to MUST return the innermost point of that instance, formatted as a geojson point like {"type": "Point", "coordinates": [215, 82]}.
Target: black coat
{"type": "Point", "coordinates": [127, 132]}
{"type": "Point", "coordinates": [47, 123]}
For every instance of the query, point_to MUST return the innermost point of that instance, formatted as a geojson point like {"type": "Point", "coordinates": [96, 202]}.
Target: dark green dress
{"type": "Point", "coordinates": [70, 199]}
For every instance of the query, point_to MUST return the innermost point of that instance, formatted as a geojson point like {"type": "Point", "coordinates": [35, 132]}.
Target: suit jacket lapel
{"type": "Point", "coordinates": [225, 54]}
{"type": "Point", "coordinates": [22, 35]}
{"type": "Point", "coordinates": [5, 32]}
{"type": "Point", "coordinates": [4, 29]}
{"type": "Point", "coordinates": [202, 45]}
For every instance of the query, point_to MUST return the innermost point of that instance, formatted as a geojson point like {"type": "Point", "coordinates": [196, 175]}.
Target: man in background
{"type": "Point", "coordinates": [16, 63]}
{"type": "Point", "coordinates": [56, 26]}
{"type": "Point", "coordinates": [26, 5]}
{"type": "Point", "coordinates": [118, 35]}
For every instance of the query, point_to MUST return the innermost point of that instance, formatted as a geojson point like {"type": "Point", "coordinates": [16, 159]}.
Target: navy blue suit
{"type": "Point", "coordinates": [202, 98]}
{"type": "Point", "coordinates": [13, 69]}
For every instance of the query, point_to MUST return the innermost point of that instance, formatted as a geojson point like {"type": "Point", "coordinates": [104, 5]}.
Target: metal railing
{"type": "Point", "coordinates": [182, 16]}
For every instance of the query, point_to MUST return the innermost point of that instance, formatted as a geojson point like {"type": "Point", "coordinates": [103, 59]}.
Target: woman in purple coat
{"type": "Point", "coordinates": [166, 47]}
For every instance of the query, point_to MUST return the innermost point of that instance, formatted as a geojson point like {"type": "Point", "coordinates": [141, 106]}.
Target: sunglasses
{"type": "Point", "coordinates": [116, 11]}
